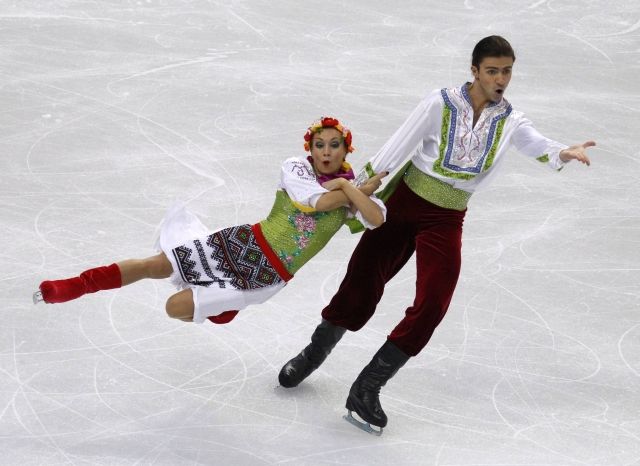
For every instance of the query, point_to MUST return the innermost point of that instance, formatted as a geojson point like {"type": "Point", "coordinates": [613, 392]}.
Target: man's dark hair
{"type": "Point", "coordinates": [492, 46]}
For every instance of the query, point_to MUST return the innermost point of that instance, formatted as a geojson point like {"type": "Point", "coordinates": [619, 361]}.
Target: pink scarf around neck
{"type": "Point", "coordinates": [347, 175]}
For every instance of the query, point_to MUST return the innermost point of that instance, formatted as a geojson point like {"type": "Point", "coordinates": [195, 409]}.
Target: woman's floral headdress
{"type": "Point", "coordinates": [327, 122]}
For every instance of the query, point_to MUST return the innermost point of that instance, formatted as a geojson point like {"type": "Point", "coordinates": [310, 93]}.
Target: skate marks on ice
{"type": "Point", "coordinates": [113, 113]}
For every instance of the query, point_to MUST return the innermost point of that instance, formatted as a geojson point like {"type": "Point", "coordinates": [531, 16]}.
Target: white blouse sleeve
{"type": "Point", "coordinates": [299, 181]}
{"type": "Point", "coordinates": [380, 204]}
{"type": "Point", "coordinates": [531, 143]}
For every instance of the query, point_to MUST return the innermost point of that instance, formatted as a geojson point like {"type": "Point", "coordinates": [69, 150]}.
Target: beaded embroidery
{"type": "Point", "coordinates": [306, 225]}
{"type": "Point", "coordinates": [295, 236]}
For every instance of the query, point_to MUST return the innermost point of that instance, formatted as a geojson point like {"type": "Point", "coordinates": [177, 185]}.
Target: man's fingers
{"type": "Point", "coordinates": [581, 157]}
{"type": "Point", "coordinates": [589, 144]}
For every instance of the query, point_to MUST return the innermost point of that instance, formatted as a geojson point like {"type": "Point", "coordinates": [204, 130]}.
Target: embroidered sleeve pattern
{"type": "Point", "coordinates": [299, 181]}
{"type": "Point", "coordinates": [300, 170]}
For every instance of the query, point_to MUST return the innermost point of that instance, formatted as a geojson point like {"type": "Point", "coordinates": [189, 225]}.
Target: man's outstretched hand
{"type": "Point", "coordinates": [577, 152]}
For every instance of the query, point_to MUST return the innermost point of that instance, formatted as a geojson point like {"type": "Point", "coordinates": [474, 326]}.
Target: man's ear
{"type": "Point", "coordinates": [474, 71]}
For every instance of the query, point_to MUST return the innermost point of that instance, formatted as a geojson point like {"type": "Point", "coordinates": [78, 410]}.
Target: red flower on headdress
{"type": "Point", "coordinates": [329, 122]}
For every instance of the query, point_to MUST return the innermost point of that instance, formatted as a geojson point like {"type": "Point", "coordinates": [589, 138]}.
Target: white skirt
{"type": "Point", "coordinates": [225, 269]}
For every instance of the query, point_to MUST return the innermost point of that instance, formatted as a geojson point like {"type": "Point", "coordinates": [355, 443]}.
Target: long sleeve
{"type": "Point", "coordinates": [361, 219]}
{"type": "Point", "coordinates": [299, 181]}
{"type": "Point", "coordinates": [528, 141]}
{"type": "Point", "coordinates": [404, 141]}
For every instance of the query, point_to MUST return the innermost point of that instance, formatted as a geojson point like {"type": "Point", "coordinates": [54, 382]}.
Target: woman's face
{"type": "Point", "coordinates": [328, 151]}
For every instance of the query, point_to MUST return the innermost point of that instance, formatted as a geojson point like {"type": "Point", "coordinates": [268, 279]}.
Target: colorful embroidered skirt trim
{"type": "Point", "coordinates": [229, 257]}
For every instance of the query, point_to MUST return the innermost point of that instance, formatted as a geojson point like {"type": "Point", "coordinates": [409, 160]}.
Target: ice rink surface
{"type": "Point", "coordinates": [114, 110]}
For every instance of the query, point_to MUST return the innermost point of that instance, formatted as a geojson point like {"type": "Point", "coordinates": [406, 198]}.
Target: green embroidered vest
{"type": "Point", "coordinates": [296, 236]}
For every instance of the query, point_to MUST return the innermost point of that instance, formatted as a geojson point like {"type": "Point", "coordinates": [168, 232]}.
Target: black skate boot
{"type": "Point", "coordinates": [363, 397]}
{"type": "Point", "coordinates": [323, 340]}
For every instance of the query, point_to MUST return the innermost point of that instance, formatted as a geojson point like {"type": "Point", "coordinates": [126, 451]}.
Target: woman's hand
{"type": "Point", "coordinates": [334, 184]}
{"type": "Point", "coordinates": [372, 184]}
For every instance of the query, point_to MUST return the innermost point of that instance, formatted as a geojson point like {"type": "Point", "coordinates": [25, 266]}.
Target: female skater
{"type": "Point", "coordinates": [222, 272]}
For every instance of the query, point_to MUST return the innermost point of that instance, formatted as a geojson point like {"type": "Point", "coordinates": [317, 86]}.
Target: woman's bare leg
{"type": "Point", "coordinates": [180, 305]}
{"type": "Point", "coordinates": [133, 270]}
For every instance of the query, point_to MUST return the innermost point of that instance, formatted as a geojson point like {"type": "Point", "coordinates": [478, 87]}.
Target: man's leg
{"type": "Point", "coordinates": [438, 262]}
{"type": "Point", "coordinates": [438, 247]}
{"type": "Point", "coordinates": [379, 255]}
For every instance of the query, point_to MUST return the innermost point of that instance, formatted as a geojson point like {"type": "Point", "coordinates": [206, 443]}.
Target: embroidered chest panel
{"type": "Point", "coordinates": [465, 150]}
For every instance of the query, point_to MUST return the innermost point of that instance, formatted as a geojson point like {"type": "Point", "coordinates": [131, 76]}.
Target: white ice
{"type": "Point", "coordinates": [111, 111]}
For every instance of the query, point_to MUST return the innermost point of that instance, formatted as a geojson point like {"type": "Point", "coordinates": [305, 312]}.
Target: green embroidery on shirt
{"type": "Point", "coordinates": [494, 146]}
{"type": "Point", "coordinates": [543, 158]}
{"type": "Point", "coordinates": [444, 139]}
{"type": "Point", "coordinates": [444, 142]}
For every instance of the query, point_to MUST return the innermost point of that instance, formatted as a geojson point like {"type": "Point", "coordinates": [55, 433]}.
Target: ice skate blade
{"type": "Point", "coordinates": [361, 425]}
{"type": "Point", "coordinates": [37, 297]}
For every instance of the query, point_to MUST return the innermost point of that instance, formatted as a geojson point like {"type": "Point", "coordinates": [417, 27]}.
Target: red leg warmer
{"type": "Point", "coordinates": [89, 281]}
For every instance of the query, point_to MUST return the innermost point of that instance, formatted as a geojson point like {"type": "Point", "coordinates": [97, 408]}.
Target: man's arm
{"type": "Point", "coordinates": [424, 119]}
{"type": "Point", "coordinates": [531, 143]}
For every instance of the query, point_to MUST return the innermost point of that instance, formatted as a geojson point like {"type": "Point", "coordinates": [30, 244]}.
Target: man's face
{"type": "Point", "coordinates": [493, 76]}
